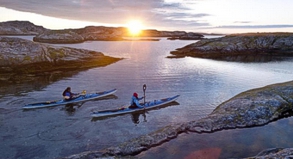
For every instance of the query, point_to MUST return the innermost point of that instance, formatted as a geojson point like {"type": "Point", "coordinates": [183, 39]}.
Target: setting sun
{"type": "Point", "coordinates": [134, 27]}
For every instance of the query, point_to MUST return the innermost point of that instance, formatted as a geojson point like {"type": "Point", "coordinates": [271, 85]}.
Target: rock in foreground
{"type": "Point", "coordinates": [274, 153]}
{"type": "Point", "coordinates": [251, 108]}
{"type": "Point", "coordinates": [254, 47]}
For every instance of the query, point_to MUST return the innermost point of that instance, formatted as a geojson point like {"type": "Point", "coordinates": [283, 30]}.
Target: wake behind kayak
{"type": "Point", "coordinates": [80, 98]}
{"type": "Point", "coordinates": [125, 110]}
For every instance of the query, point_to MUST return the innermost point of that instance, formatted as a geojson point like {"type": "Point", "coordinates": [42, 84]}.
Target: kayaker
{"type": "Point", "coordinates": [67, 94]}
{"type": "Point", "coordinates": [135, 101]}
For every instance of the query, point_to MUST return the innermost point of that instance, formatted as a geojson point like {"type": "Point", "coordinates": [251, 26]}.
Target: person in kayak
{"type": "Point", "coordinates": [67, 94]}
{"type": "Point", "coordinates": [134, 103]}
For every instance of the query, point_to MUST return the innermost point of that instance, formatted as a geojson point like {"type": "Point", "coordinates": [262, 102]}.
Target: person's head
{"type": "Point", "coordinates": [135, 94]}
{"type": "Point", "coordinates": [68, 89]}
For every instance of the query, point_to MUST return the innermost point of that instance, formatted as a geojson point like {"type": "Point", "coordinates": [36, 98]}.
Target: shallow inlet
{"type": "Point", "coordinates": [202, 85]}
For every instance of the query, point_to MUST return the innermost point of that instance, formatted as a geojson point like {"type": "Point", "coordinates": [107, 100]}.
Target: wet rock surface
{"type": "Point", "coordinates": [254, 47]}
{"type": "Point", "coordinates": [251, 108]}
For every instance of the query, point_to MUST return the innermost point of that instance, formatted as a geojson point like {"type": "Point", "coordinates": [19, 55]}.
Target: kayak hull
{"type": "Point", "coordinates": [80, 98]}
{"type": "Point", "coordinates": [125, 110]}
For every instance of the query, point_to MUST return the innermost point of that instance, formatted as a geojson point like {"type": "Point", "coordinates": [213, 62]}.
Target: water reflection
{"type": "Point", "coordinates": [254, 58]}
{"type": "Point", "coordinates": [135, 117]}
{"type": "Point", "coordinates": [234, 143]}
{"type": "Point", "coordinates": [19, 84]}
{"type": "Point", "coordinates": [69, 108]}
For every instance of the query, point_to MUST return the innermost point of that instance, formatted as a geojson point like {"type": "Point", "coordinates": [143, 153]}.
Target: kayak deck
{"type": "Point", "coordinates": [80, 98]}
{"type": "Point", "coordinates": [124, 110]}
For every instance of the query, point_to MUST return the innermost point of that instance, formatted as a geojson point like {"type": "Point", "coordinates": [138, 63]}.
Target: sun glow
{"type": "Point", "coordinates": [134, 27]}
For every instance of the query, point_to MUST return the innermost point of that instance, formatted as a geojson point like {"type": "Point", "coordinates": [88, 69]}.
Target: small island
{"type": "Point", "coordinates": [252, 47]}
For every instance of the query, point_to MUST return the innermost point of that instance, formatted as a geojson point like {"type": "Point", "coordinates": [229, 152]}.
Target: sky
{"type": "Point", "coordinates": [203, 16]}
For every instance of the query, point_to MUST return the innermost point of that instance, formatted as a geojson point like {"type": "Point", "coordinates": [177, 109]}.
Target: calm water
{"type": "Point", "coordinates": [202, 85]}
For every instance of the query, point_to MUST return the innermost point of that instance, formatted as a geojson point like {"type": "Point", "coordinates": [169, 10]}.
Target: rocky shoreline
{"type": "Point", "coordinates": [22, 59]}
{"type": "Point", "coordinates": [253, 47]}
{"type": "Point", "coordinates": [255, 107]}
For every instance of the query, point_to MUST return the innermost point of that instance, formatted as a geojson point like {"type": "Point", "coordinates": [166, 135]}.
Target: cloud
{"type": "Point", "coordinates": [254, 26]}
{"type": "Point", "coordinates": [153, 12]}
{"type": "Point", "coordinates": [242, 22]}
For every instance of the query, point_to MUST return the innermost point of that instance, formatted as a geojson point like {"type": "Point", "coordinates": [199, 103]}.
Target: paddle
{"type": "Point", "coordinates": [144, 88]}
{"type": "Point", "coordinates": [83, 92]}
{"type": "Point", "coordinates": [76, 95]}
{"type": "Point", "coordinates": [80, 94]}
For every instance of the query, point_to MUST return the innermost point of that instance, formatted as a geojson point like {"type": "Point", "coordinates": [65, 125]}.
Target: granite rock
{"type": "Point", "coordinates": [20, 28]}
{"type": "Point", "coordinates": [254, 47]}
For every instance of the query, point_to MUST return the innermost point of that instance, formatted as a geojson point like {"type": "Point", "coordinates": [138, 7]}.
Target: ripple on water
{"type": "Point", "coordinates": [202, 85]}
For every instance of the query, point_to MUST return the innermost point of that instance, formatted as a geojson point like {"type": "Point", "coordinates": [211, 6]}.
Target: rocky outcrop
{"type": "Point", "coordinates": [173, 35]}
{"type": "Point", "coordinates": [59, 37]}
{"type": "Point", "coordinates": [20, 28]}
{"type": "Point", "coordinates": [241, 47]}
{"type": "Point", "coordinates": [251, 108]}
{"type": "Point", "coordinates": [101, 33]}
{"type": "Point", "coordinates": [23, 56]}
{"type": "Point", "coordinates": [90, 33]}
{"type": "Point", "coordinates": [278, 153]}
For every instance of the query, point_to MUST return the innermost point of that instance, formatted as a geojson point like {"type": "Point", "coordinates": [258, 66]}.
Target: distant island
{"type": "Point", "coordinates": [89, 33]}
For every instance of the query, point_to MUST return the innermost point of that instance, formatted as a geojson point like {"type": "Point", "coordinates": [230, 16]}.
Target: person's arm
{"type": "Point", "coordinates": [67, 95]}
{"type": "Point", "coordinates": [140, 98]}
{"type": "Point", "coordinates": [138, 104]}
